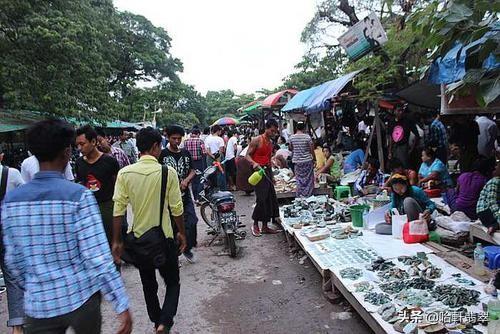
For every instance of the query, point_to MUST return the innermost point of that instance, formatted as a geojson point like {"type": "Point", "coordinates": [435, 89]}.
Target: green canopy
{"type": "Point", "coordinates": [11, 120]}
{"type": "Point", "coordinates": [121, 125]}
{"type": "Point", "coordinates": [15, 120]}
{"type": "Point", "coordinates": [253, 108]}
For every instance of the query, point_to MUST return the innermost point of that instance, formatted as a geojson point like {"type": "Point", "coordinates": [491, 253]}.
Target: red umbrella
{"type": "Point", "coordinates": [279, 98]}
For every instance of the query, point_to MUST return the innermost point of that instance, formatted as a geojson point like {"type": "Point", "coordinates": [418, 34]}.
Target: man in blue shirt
{"type": "Point", "coordinates": [55, 245]}
{"type": "Point", "coordinates": [437, 138]}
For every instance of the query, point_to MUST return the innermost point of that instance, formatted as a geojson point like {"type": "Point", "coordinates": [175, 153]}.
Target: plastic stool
{"type": "Point", "coordinates": [342, 192]}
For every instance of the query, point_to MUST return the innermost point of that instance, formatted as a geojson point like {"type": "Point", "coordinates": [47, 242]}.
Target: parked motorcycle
{"type": "Point", "coordinates": [217, 210]}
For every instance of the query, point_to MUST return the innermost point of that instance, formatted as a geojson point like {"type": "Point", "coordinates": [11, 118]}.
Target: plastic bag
{"type": "Point", "coordinates": [416, 231]}
{"type": "Point", "coordinates": [398, 222]}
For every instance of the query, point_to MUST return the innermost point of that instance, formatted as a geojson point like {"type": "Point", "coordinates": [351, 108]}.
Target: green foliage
{"type": "Point", "coordinates": [225, 103]}
{"type": "Point", "coordinates": [77, 58]}
{"type": "Point", "coordinates": [54, 55]}
{"type": "Point", "coordinates": [403, 55]}
{"type": "Point", "coordinates": [314, 70]}
{"type": "Point", "coordinates": [171, 102]}
{"type": "Point", "coordinates": [443, 25]}
{"type": "Point", "coordinates": [388, 69]}
{"type": "Point", "coordinates": [141, 53]}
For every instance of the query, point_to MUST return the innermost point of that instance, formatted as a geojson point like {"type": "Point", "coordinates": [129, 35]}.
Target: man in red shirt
{"type": "Point", "coordinates": [259, 155]}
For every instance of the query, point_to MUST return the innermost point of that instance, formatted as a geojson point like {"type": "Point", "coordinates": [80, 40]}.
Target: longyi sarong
{"type": "Point", "coordinates": [266, 206]}
{"type": "Point", "coordinates": [304, 174]}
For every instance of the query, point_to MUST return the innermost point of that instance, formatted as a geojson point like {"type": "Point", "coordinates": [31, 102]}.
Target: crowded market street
{"type": "Point", "coordinates": [250, 167]}
{"type": "Point", "coordinates": [223, 295]}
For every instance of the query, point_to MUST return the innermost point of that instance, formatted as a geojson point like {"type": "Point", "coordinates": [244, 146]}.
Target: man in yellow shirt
{"type": "Point", "coordinates": [139, 185]}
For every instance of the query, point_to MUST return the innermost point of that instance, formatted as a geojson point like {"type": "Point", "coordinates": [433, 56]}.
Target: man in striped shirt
{"type": "Point", "coordinates": [55, 245]}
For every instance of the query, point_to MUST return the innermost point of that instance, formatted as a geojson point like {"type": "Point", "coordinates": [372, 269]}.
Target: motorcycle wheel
{"type": "Point", "coordinates": [206, 214]}
{"type": "Point", "coordinates": [231, 244]}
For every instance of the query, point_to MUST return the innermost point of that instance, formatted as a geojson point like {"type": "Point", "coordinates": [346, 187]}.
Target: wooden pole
{"type": "Point", "coordinates": [379, 138]}
{"type": "Point", "coordinates": [369, 145]}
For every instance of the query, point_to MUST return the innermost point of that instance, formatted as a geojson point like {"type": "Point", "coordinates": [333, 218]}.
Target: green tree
{"type": "Point", "coordinates": [78, 58]}
{"type": "Point", "coordinates": [326, 60]}
{"type": "Point", "coordinates": [225, 103]}
{"type": "Point", "coordinates": [179, 103]}
{"type": "Point", "coordinates": [141, 52]}
{"type": "Point", "coordinates": [314, 70]}
{"type": "Point", "coordinates": [442, 25]}
{"type": "Point", "coordinates": [53, 55]}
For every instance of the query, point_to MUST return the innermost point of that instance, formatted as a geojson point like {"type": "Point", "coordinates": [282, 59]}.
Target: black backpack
{"type": "Point", "coordinates": [3, 181]}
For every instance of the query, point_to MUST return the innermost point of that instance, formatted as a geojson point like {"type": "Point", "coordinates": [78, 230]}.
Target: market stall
{"type": "Point", "coordinates": [387, 281]}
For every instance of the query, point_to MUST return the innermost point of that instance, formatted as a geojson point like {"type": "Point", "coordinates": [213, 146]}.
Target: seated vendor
{"type": "Point", "coordinates": [488, 205]}
{"type": "Point", "coordinates": [409, 200]}
{"type": "Point", "coordinates": [469, 185]}
{"type": "Point", "coordinates": [318, 153]}
{"type": "Point", "coordinates": [332, 168]}
{"type": "Point", "coordinates": [370, 180]}
{"type": "Point", "coordinates": [433, 173]}
{"type": "Point", "coordinates": [397, 168]}
{"type": "Point", "coordinates": [355, 159]}
{"type": "Point", "coordinates": [278, 160]}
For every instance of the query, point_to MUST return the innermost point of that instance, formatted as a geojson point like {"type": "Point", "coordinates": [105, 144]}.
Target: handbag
{"type": "Point", "coordinates": [151, 248]}
{"type": "Point", "coordinates": [416, 231]}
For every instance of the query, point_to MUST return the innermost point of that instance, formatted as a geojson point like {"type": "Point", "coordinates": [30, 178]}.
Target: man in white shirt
{"type": "Point", "coordinates": [31, 166]}
{"type": "Point", "coordinates": [15, 294]}
{"type": "Point", "coordinates": [14, 178]}
{"type": "Point", "coordinates": [488, 132]}
{"type": "Point", "coordinates": [215, 144]}
{"type": "Point", "coordinates": [285, 132]}
{"type": "Point", "coordinates": [231, 149]}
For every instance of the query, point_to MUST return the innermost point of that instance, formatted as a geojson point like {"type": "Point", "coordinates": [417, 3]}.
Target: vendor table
{"type": "Point", "coordinates": [317, 192]}
{"type": "Point", "coordinates": [389, 248]}
{"type": "Point", "coordinates": [480, 232]}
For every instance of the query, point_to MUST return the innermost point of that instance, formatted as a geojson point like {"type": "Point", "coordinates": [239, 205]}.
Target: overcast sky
{"type": "Point", "coordinates": [242, 45]}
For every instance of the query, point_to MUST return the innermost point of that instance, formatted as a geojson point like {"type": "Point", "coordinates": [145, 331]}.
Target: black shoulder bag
{"type": "Point", "coordinates": [150, 249]}
{"type": "Point", "coordinates": [3, 182]}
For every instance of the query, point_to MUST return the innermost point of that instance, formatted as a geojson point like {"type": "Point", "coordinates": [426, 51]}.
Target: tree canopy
{"type": "Point", "coordinates": [442, 25]}
{"type": "Point", "coordinates": [78, 58]}
{"type": "Point", "coordinates": [84, 58]}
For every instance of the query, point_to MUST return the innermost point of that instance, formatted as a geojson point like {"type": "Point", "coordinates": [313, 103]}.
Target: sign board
{"type": "Point", "coordinates": [363, 37]}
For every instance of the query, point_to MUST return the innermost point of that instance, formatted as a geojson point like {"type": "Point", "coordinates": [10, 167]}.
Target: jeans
{"type": "Point", "coordinates": [170, 273]}
{"type": "Point", "coordinates": [190, 221]}
{"type": "Point", "coordinates": [106, 209]}
{"type": "Point", "coordinates": [196, 185]}
{"type": "Point", "coordinates": [84, 320]}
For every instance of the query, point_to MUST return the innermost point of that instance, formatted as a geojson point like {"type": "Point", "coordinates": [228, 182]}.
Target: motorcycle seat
{"type": "Point", "coordinates": [222, 195]}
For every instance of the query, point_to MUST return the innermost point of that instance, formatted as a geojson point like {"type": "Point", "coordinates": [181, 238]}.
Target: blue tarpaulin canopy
{"type": "Point", "coordinates": [321, 100]}
{"type": "Point", "coordinates": [299, 101]}
{"type": "Point", "coordinates": [317, 98]}
{"type": "Point", "coordinates": [451, 67]}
